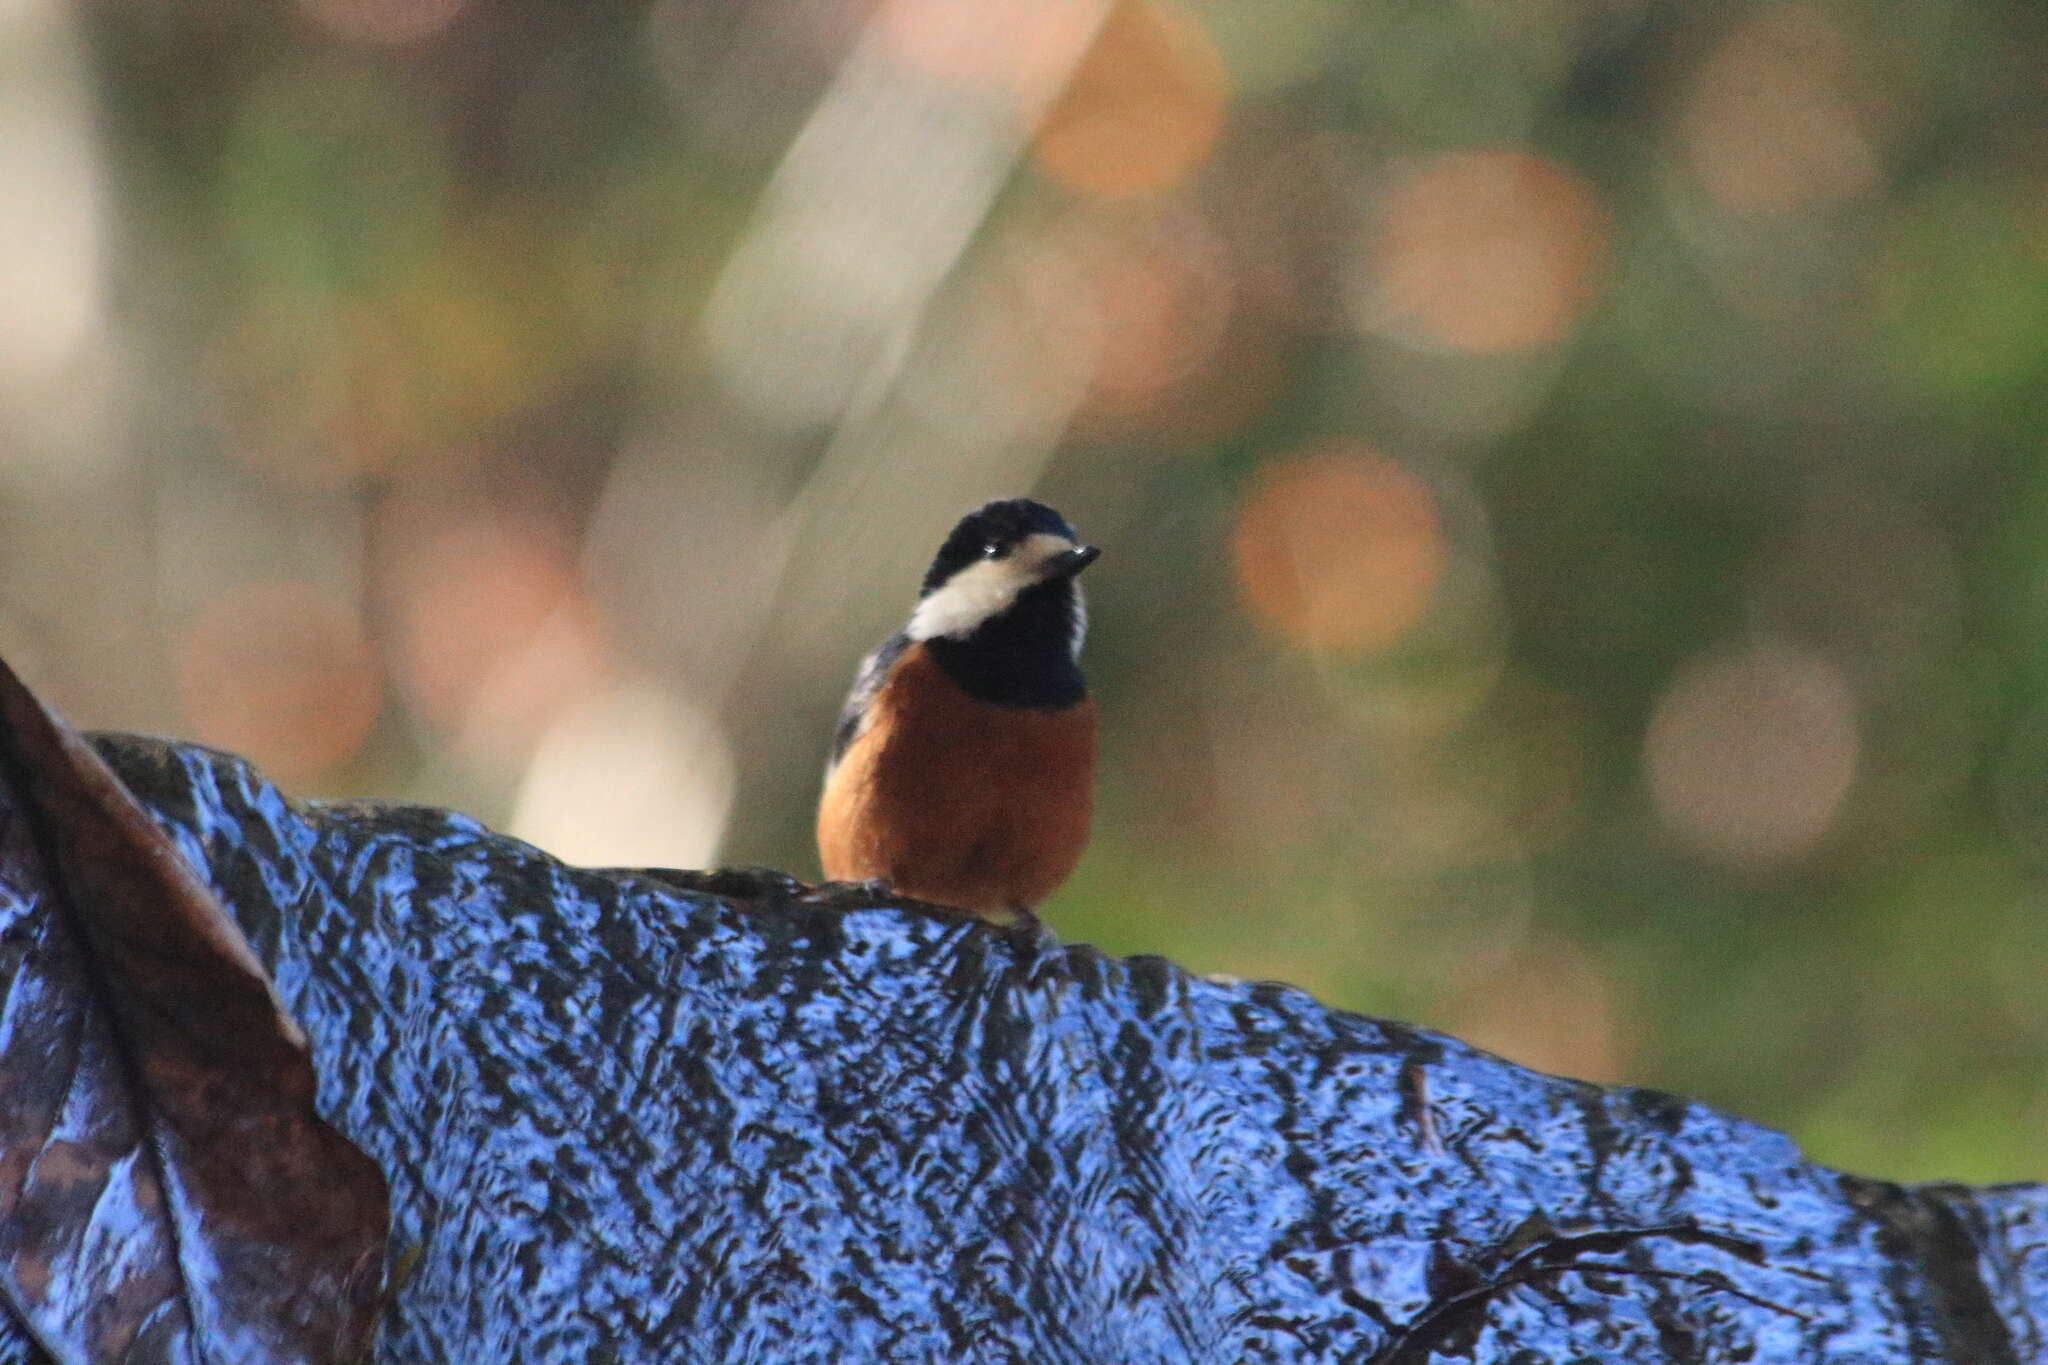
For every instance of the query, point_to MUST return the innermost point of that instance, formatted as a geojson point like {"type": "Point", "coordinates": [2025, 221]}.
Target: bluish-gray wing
{"type": "Point", "coordinates": [866, 682]}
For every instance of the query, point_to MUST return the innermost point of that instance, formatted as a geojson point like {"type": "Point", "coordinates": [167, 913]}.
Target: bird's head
{"type": "Point", "coordinates": [1007, 569]}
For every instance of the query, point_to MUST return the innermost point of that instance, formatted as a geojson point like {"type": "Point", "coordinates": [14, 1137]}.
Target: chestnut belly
{"type": "Point", "coordinates": [957, 801]}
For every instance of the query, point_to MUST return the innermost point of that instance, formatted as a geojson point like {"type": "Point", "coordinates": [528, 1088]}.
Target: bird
{"type": "Point", "coordinates": [962, 769]}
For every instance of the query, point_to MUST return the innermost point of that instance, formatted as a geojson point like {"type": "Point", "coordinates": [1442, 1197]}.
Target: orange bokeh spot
{"type": "Point", "coordinates": [1552, 1009]}
{"type": "Point", "coordinates": [1339, 549]}
{"type": "Point", "coordinates": [1486, 252]}
{"type": "Point", "coordinates": [1146, 300]}
{"type": "Point", "coordinates": [497, 632]}
{"type": "Point", "coordinates": [1142, 109]}
{"type": "Point", "coordinates": [281, 673]}
{"type": "Point", "coordinates": [1023, 48]}
{"type": "Point", "coordinates": [1751, 753]}
{"type": "Point", "coordinates": [1773, 124]}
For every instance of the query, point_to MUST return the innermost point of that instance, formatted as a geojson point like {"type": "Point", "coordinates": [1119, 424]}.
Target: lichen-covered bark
{"type": "Point", "coordinates": [654, 1117]}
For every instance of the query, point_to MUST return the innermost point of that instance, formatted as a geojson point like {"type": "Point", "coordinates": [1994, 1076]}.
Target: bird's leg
{"type": "Point", "coordinates": [1017, 917]}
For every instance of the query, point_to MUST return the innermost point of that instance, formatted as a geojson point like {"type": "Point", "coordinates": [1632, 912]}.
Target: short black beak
{"type": "Point", "coordinates": [1067, 563]}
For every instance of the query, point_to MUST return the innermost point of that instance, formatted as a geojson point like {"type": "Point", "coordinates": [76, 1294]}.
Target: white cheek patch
{"type": "Point", "coordinates": [983, 589]}
{"type": "Point", "coordinates": [968, 598]}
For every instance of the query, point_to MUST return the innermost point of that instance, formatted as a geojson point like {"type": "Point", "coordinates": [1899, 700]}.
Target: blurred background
{"type": "Point", "coordinates": [1572, 470]}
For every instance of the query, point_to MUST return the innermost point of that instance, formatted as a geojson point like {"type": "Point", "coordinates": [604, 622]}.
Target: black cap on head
{"type": "Point", "coordinates": [989, 531]}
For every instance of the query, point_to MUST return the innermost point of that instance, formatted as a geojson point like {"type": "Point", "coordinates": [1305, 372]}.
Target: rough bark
{"type": "Point", "coordinates": [650, 1116]}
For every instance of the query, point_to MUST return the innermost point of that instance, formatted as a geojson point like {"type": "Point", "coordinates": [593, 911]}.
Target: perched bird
{"type": "Point", "coordinates": [963, 768]}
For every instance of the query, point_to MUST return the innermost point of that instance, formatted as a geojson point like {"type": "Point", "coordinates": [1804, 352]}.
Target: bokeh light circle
{"type": "Point", "coordinates": [497, 633]}
{"type": "Point", "coordinates": [1024, 48]}
{"type": "Point", "coordinates": [1338, 548]}
{"type": "Point", "coordinates": [633, 774]}
{"type": "Point", "coordinates": [1484, 252]}
{"type": "Point", "coordinates": [1141, 111]}
{"type": "Point", "coordinates": [281, 673]}
{"type": "Point", "coordinates": [1773, 125]}
{"type": "Point", "coordinates": [1146, 300]}
{"type": "Point", "coordinates": [1554, 1009]}
{"type": "Point", "coordinates": [1751, 752]}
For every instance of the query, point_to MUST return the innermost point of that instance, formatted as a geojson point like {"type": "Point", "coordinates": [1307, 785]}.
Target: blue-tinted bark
{"type": "Point", "coordinates": [627, 1119]}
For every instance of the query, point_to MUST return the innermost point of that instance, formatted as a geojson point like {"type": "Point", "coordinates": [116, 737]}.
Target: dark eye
{"type": "Point", "coordinates": [992, 550]}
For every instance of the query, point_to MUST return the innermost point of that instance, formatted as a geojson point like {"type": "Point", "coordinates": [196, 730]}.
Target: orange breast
{"type": "Point", "coordinates": [957, 801]}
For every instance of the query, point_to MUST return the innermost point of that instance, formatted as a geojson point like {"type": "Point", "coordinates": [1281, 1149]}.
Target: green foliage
{"type": "Point", "coordinates": [1716, 757]}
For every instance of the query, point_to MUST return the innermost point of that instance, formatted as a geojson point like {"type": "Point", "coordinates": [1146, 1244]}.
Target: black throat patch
{"type": "Point", "coordinates": [1021, 656]}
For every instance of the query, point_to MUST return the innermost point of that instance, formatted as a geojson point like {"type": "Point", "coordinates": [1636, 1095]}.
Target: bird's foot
{"type": "Point", "coordinates": [1018, 918]}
